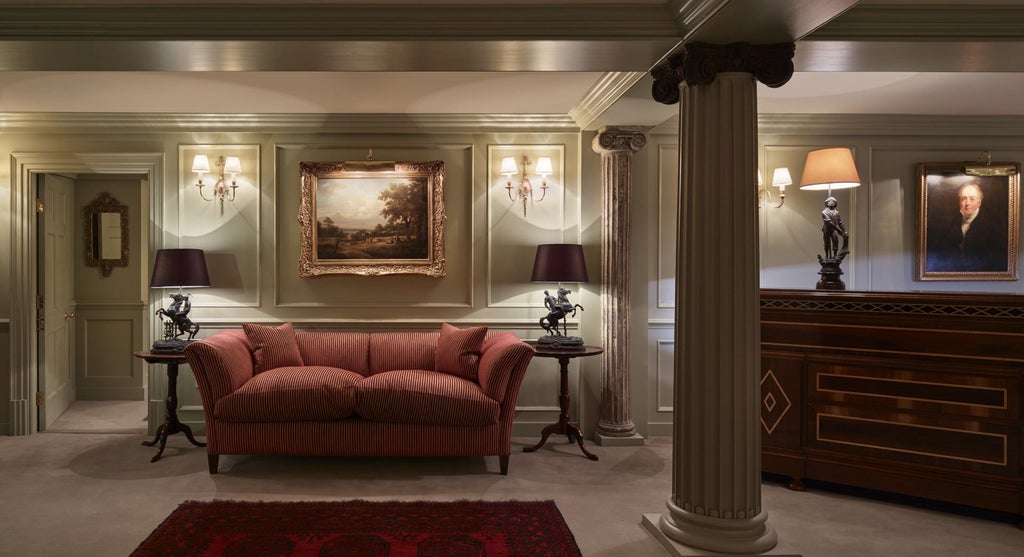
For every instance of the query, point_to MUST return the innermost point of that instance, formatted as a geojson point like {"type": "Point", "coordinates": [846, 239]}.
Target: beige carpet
{"type": "Point", "coordinates": [98, 495]}
{"type": "Point", "coordinates": [91, 416]}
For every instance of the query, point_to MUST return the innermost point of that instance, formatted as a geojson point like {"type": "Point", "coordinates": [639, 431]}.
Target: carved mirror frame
{"type": "Point", "coordinates": [104, 203]}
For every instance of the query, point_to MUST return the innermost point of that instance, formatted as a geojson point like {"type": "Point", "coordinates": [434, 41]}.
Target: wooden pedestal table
{"type": "Point", "coordinates": [564, 426]}
{"type": "Point", "coordinates": [171, 425]}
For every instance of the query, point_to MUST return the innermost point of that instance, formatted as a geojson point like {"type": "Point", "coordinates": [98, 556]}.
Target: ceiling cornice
{"type": "Point", "coordinates": [889, 124]}
{"type": "Point", "coordinates": [396, 22]}
{"type": "Point", "coordinates": [97, 123]}
{"type": "Point", "coordinates": [602, 95]}
{"type": "Point", "coordinates": [875, 22]}
{"type": "Point", "coordinates": [349, 37]}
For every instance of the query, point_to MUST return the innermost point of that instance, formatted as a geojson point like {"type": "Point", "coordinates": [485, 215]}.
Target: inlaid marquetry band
{"type": "Point", "coordinates": [947, 443]}
{"type": "Point", "coordinates": [945, 393]}
{"type": "Point", "coordinates": [699, 64]}
{"type": "Point", "coordinates": [946, 310]}
{"type": "Point", "coordinates": [770, 387]}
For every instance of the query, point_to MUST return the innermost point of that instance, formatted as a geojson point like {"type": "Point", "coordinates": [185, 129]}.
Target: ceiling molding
{"type": "Point", "coordinates": [908, 56]}
{"type": "Point", "coordinates": [876, 22]}
{"type": "Point", "coordinates": [889, 124]}
{"type": "Point", "coordinates": [337, 37]}
{"type": "Point", "coordinates": [280, 123]}
{"type": "Point", "coordinates": [602, 95]}
{"type": "Point", "coordinates": [345, 22]}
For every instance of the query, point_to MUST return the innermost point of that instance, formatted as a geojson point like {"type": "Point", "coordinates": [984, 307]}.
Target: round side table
{"type": "Point", "coordinates": [564, 426]}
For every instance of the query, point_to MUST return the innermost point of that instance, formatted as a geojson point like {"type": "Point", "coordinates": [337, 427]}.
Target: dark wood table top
{"type": "Point", "coordinates": [547, 351]}
{"type": "Point", "coordinates": [160, 358]}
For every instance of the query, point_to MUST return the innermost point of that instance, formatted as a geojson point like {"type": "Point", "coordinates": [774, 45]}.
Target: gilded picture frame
{"type": "Point", "coordinates": [372, 219]}
{"type": "Point", "coordinates": [968, 225]}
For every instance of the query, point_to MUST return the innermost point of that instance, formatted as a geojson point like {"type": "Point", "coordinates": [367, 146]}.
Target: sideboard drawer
{"type": "Point", "coordinates": [983, 392]}
{"type": "Point", "coordinates": [950, 442]}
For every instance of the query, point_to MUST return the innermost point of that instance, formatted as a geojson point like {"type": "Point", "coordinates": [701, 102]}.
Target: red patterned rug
{"type": "Point", "coordinates": [362, 529]}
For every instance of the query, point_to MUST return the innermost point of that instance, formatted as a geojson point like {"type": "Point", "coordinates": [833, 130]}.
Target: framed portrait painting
{"type": "Point", "coordinates": [372, 220]}
{"type": "Point", "coordinates": [968, 224]}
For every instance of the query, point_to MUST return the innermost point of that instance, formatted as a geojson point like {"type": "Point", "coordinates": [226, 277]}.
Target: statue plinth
{"type": "Point", "coordinates": [830, 273]}
{"type": "Point", "coordinates": [559, 341]}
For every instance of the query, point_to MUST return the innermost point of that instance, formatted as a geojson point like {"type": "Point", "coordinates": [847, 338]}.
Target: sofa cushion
{"type": "Point", "coordinates": [458, 350]}
{"type": "Point", "coordinates": [402, 350]}
{"type": "Point", "coordinates": [272, 346]}
{"type": "Point", "coordinates": [345, 350]}
{"type": "Point", "coordinates": [424, 397]}
{"type": "Point", "coordinates": [291, 394]}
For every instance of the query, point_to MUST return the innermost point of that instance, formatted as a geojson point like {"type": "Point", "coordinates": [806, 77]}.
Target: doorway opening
{"type": "Point", "coordinates": [91, 302]}
{"type": "Point", "coordinates": [99, 323]}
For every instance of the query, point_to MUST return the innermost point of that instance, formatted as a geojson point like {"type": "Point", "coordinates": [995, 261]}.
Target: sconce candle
{"type": "Point", "coordinates": [221, 189]}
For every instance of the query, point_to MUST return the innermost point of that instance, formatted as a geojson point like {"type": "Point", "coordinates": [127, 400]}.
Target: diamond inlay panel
{"type": "Point", "coordinates": [775, 402]}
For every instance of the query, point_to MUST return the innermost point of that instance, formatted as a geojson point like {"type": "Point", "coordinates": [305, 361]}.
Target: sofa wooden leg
{"type": "Point", "coordinates": [212, 460]}
{"type": "Point", "coordinates": [503, 460]}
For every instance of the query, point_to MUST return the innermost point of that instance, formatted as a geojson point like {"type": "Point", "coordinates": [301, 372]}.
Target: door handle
{"type": "Point", "coordinates": [69, 315]}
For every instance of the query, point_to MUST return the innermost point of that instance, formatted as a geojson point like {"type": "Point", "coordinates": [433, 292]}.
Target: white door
{"type": "Point", "coordinates": [56, 307]}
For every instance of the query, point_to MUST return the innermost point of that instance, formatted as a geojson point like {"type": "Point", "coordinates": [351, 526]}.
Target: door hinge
{"type": "Point", "coordinates": [40, 206]}
{"type": "Point", "coordinates": [40, 399]}
{"type": "Point", "coordinates": [40, 323]}
{"type": "Point", "coordinates": [40, 301]}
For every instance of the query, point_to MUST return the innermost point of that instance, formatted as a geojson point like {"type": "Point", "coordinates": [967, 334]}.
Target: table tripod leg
{"type": "Point", "coordinates": [187, 430]}
{"type": "Point", "coordinates": [574, 431]}
{"type": "Point", "coordinates": [163, 444]}
{"type": "Point", "coordinates": [553, 428]}
{"type": "Point", "coordinates": [160, 431]}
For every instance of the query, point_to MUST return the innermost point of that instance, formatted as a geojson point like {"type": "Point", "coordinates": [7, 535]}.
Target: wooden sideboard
{"type": "Point", "coordinates": [910, 393]}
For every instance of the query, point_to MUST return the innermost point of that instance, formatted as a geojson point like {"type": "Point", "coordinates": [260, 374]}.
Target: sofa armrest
{"type": "Point", "coordinates": [221, 364]}
{"type": "Point", "coordinates": [503, 362]}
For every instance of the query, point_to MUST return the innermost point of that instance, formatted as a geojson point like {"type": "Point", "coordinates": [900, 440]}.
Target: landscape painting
{"type": "Point", "coordinates": [372, 219]}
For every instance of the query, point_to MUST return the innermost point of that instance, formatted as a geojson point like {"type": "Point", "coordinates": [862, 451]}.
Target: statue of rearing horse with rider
{"type": "Point", "coordinates": [559, 308]}
{"type": "Point", "coordinates": [177, 312]}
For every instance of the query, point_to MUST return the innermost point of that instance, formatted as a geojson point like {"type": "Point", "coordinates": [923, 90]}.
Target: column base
{"type": "Point", "coordinates": [634, 440]}
{"type": "Point", "coordinates": [748, 536]}
{"type": "Point", "coordinates": [651, 522]}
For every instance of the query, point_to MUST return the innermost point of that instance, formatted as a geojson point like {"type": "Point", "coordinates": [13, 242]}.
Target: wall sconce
{"type": "Point", "coordinates": [221, 189]}
{"type": "Point", "coordinates": [780, 179]}
{"type": "Point", "coordinates": [525, 189]}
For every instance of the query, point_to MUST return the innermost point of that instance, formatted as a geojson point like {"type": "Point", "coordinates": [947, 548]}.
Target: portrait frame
{"type": "Point", "coordinates": [990, 249]}
{"type": "Point", "coordinates": [370, 219]}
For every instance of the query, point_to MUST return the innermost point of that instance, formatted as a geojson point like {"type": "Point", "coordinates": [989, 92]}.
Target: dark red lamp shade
{"type": "Point", "coordinates": [179, 268]}
{"type": "Point", "coordinates": [559, 263]}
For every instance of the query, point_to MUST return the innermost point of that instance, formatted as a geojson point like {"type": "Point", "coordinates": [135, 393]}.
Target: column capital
{"type": "Point", "coordinates": [700, 63]}
{"type": "Point", "coordinates": [619, 138]}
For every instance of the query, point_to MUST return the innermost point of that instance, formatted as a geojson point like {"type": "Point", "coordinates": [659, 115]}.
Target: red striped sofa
{"type": "Point", "coordinates": [359, 394]}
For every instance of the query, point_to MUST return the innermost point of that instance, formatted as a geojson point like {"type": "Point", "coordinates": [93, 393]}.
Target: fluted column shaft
{"type": "Point", "coordinates": [716, 481]}
{"type": "Point", "coordinates": [616, 147]}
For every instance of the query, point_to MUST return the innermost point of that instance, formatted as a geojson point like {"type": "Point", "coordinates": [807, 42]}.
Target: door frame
{"type": "Point", "coordinates": [24, 243]}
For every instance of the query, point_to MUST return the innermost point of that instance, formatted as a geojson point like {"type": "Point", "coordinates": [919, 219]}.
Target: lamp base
{"type": "Point", "coordinates": [169, 346]}
{"type": "Point", "coordinates": [558, 341]}
{"type": "Point", "coordinates": [830, 273]}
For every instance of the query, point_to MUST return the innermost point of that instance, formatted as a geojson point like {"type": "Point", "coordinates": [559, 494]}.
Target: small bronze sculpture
{"type": "Point", "coordinates": [559, 308]}
{"type": "Point", "coordinates": [177, 313]}
{"type": "Point", "coordinates": [832, 228]}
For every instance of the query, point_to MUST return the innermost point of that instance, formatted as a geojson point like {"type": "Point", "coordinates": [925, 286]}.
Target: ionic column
{"type": "Point", "coordinates": [716, 482]}
{"type": "Point", "coordinates": [616, 146]}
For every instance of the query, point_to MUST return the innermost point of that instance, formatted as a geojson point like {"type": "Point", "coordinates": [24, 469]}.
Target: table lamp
{"type": "Point", "coordinates": [178, 268]}
{"type": "Point", "coordinates": [831, 169]}
{"type": "Point", "coordinates": [559, 263]}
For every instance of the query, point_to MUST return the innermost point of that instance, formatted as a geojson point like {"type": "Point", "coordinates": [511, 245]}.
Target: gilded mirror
{"type": "Point", "coordinates": [106, 234]}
